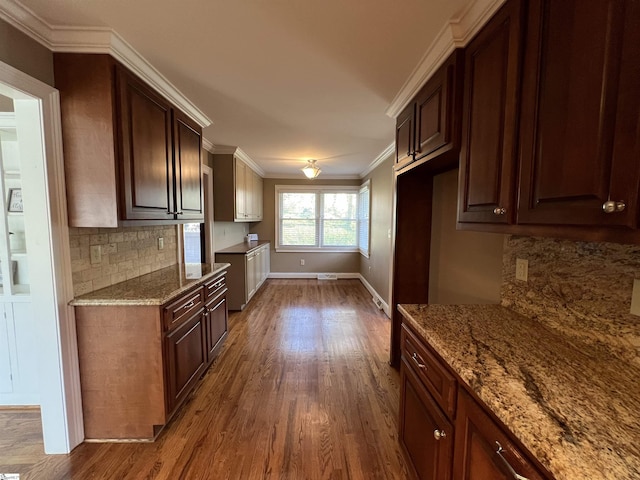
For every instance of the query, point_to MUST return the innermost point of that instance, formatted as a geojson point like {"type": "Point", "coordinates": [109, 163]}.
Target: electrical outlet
{"type": "Point", "coordinates": [635, 298]}
{"type": "Point", "coordinates": [96, 254]}
{"type": "Point", "coordinates": [522, 269]}
{"type": "Point", "coordinates": [160, 243]}
{"type": "Point", "coordinates": [302, 262]}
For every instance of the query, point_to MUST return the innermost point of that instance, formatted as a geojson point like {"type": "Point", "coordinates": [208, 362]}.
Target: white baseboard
{"type": "Point", "coordinates": [372, 291]}
{"type": "Point", "coordinates": [314, 275]}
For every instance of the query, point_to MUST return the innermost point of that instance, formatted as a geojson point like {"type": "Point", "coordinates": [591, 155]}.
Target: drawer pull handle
{"type": "Point", "coordinates": [439, 434]}
{"type": "Point", "coordinates": [420, 365]}
{"type": "Point", "coordinates": [515, 475]}
{"type": "Point", "coordinates": [499, 211]}
{"type": "Point", "coordinates": [189, 305]}
{"type": "Point", "coordinates": [215, 285]}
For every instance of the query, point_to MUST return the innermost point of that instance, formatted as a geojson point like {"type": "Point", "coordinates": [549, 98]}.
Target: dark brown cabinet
{"type": "Point", "coordinates": [429, 126]}
{"type": "Point", "coordinates": [146, 150]}
{"type": "Point", "coordinates": [405, 132]}
{"type": "Point", "coordinates": [216, 315]}
{"type": "Point", "coordinates": [188, 167]}
{"type": "Point", "coordinates": [580, 114]}
{"type": "Point", "coordinates": [427, 391]}
{"type": "Point", "coordinates": [445, 433]}
{"type": "Point", "coordinates": [425, 432]}
{"type": "Point", "coordinates": [185, 358]}
{"type": "Point", "coordinates": [483, 451]}
{"type": "Point", "coordinates": [130, 155]}
{"type": "Point", "coordinates": [491, 90]}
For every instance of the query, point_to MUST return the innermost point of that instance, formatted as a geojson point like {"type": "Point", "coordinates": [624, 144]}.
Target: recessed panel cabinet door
{"type": "Point", "coordinates": [188, 167]}
{"type": "Point", "coordinates": [425, 432]}
{"type": "Point", "coordinates": [405, 136]}
{"type": "Point", "coordinates": [488, 149]}
{"type": "Point", "coordinates": [185, 357]}
{"type": "Point", "coordinates": [580, 113]}
{"type": "Point", "coordinates": [147, 157]}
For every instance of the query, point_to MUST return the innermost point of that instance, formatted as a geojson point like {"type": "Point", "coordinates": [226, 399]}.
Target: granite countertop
{"type": "Point", "coordinates": [575, 407]}
{"type": "Point", "coordinates": [155, 288]}
{"type": "Point", "coordinates": [244, 247]}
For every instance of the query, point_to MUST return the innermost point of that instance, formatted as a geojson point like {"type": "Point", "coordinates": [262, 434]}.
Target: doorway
{"type": "Point", "coordinates": [37, 187]}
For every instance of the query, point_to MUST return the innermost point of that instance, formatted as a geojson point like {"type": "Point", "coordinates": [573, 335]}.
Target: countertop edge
{"type": "Point", "coordinates": [157, 301]}
{"type": "Point", "coordinates": [243, 248]}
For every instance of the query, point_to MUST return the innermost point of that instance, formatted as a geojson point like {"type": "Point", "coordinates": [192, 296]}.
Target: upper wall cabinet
{"type": "Point", "coordinates": [237, 190]}
{"type": "Point", "coordinates": [580, 123]}
{"type": "Point", "coordinates": [429, 126]}
{"type": "Point", "coordinates": [129, 154]}
{"type": "Point", "coordinates": [488, 152]}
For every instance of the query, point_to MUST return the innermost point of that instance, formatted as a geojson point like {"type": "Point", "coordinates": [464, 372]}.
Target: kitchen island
{"type": "Point", "coordinates": [143, 344]}
{"type": "Point", "coordinates": [575, 407]}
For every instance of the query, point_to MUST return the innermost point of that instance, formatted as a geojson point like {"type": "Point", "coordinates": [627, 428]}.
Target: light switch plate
{"type": "Point", "coordinates": [160, 243]}
{"type": "Point", "coordinates": [635, 298]}
{"type": "Point", "coordinates": [522, 269]}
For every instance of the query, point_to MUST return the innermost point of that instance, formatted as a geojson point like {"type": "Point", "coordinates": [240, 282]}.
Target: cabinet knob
{"type": "Point", "coordinates": [439, 434]}
{"type": "Point", "coordinates": [612, 207]}
{"type": "Point", "coordinates": [499, 211]}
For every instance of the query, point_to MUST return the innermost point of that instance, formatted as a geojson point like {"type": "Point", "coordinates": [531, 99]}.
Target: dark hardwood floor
{"type": "Point", "coordinates": [302, 390]}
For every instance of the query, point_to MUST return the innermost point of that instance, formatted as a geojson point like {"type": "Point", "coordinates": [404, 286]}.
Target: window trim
{"type": "Point", "coordinates": [366, 186]}
{"type": "Point", "coordinates": [317, 189]}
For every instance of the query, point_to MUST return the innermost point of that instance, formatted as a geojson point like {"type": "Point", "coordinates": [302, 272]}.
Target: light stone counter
{"type": "Point", "coordinates": [574, 406]}
{"type": "Point", "coordinates": [155, 288]}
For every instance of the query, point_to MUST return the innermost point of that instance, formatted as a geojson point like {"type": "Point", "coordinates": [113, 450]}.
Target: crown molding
{"type": "Point", "coordinates": [207, 145]}
{"type": "Point", "coordinates": [382, 156]}
{"type": "Point", "coordinates": [242, 155]}
{"type": "Point", "coordinates": [59, 38]}
{"type": "Point", "coordinates": [456, 33]}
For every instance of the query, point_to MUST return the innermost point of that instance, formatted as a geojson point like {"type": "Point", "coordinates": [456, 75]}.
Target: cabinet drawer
{"type": "Point", "coordinates": [183, 308]}
{"type": "Point", "coordinates": [435, 376]}
{"type": "Point", "coordinates": [484, 450]}
{"type": "Point", "coordinates": [213, 287]}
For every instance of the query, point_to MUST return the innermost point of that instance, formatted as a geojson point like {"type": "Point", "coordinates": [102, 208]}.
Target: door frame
{"type": "Point", "coordinates": [60, 396]}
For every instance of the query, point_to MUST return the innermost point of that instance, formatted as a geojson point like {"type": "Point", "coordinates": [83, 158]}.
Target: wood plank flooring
{"type": "Point", "coordinates": [301, 390]}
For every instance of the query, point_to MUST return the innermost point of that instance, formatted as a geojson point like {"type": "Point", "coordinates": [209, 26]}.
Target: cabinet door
{"type": "Point", "coordinates": [188, 168]}
{"type": "Point", "coordinates": [240, 190]}
{"type": "Point", "coordinates": [425, 432]}
{"type": "Point", "coordinates": [217, 317]}
{"type": "Point", "coordinates": [435, 109]}
{"type": "Point", "coordinates": [186, 358]}
{"type": "Point", "coordinates": [405, 136]}
{"type": "Point", "coordinates": [488, 149]}
{"type": "Point", "coordinates": [483, 451]}
{"type": "Point", "coordinates": [147, 159]}
{"type": "Point", "coordinates": [580, 113]}
{"type": "Point", "coordinates": [251, 275]}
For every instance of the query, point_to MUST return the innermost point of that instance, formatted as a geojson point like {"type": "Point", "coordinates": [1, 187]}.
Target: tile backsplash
{"type": "Point", "coordinates": [126, 253]}
{"type": "Point", "coordinates": [580, 288]}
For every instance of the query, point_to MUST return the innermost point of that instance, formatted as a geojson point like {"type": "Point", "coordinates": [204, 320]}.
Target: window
{"type": "Point", "coordinates": [320, 219]}
{"type": "Point", "coordinates": [363, 218]}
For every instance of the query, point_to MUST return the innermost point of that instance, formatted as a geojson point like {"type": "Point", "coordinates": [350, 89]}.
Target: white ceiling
{"type": "Point", "coordinates": [285, 80]}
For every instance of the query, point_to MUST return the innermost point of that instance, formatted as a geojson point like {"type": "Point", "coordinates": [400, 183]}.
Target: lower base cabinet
{"type": "Point", "coordinates": [465, 443]}
{"type": "Point", "coordinates": [483, 451]}
{"type": "Point", "coordinates": [138, 363]}
{"type": "Point", "coordinates": [425, 432]}
{"type": "Point", "coordinates": [186, 358]}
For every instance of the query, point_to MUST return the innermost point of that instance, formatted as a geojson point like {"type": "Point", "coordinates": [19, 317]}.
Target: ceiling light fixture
{"type": "Point", "coordinates": [311, 171]}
